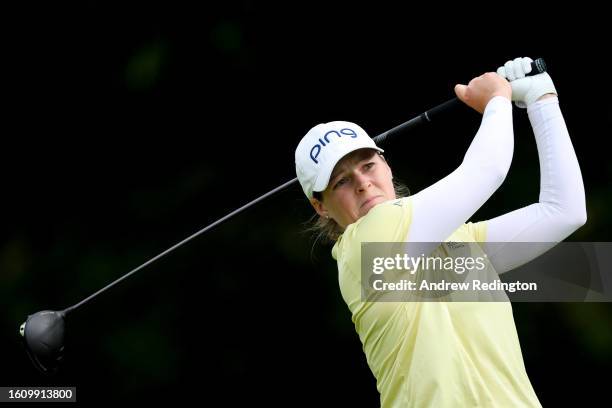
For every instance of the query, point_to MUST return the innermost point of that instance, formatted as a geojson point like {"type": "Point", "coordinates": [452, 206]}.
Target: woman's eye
{"type": "Point", "coordinates": [340, 182]}
{"type": "Point", "coordinates": [369, 165]}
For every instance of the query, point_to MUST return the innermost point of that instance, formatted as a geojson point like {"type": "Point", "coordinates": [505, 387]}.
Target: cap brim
{"type": "Point", "coordinates": [326, 171]}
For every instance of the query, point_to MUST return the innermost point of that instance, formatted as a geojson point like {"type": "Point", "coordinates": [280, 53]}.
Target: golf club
{"type": "Point", "coordinates": [43, 332]}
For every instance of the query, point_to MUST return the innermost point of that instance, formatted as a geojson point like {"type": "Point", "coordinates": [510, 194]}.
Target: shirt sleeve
{"type": "Point", "coordinates": [446, 205]}
{"type": "Point", "coordinates": [561, 209]}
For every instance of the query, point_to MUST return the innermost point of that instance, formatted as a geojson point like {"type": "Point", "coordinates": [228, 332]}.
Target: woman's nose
{"type": "Point", "coordinates": [362, 182]}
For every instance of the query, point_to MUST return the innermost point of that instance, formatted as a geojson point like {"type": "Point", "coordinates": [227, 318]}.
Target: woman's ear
{"type": "Point", "coordinates": [319, 207]}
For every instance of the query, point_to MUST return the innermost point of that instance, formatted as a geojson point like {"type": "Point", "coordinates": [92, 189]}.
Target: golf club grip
{"type": "Point", "coordinates": [537, 67]}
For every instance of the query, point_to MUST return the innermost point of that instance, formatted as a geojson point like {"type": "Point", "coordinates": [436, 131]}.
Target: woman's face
{"type": "Point", "coordinates": [358, 182]}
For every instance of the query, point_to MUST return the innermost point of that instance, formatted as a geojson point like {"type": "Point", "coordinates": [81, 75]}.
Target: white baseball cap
{"type": "Point", "coordinates": [322, 147]}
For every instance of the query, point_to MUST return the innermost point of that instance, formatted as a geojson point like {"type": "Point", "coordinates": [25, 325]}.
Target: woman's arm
{"type": "Point", "coordinates": [561, 209]}
{"type": "Point", "coordinates": [440, 209]}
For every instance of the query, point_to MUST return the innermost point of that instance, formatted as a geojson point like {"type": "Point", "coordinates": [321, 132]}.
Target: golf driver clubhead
{"type": "Point", "coordinates": [43, 337]}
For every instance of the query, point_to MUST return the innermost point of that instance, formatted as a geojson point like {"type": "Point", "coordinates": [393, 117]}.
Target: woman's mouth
{"type": "Point", "coordinates": [369, 202]}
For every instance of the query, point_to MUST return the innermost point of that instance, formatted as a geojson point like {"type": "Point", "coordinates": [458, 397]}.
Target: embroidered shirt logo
{"type": "Point", "coordinates": [455, 245]}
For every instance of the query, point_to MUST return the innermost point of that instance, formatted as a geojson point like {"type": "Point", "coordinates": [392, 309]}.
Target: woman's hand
{"type": "Point", "coordinates": [482, 89]}
{"type": "Point", "coordinates": [526, 90]}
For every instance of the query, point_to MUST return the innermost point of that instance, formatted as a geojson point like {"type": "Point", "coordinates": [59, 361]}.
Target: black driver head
{"type": "Point", "coordinates": [43, 337]}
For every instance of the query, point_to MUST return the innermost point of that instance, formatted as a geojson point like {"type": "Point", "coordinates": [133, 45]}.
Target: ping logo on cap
{"type": "Point", "coordinates": [316, 149]}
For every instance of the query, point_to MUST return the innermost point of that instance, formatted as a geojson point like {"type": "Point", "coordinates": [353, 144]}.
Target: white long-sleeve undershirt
{"type": "Point", "coordinates": [561, 208]}
{"type": "Point", "coordinates": [443, 207]}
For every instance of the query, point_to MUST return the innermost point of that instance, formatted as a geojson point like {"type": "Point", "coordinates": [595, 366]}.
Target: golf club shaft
{"type": "Point", "coordinates": [538, 66]}
{"type": "Point", "coordinates": [167, 251]}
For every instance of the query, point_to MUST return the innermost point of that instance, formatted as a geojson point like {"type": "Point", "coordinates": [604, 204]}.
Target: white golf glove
{"type": "Point", "coordinates": [525, 90]}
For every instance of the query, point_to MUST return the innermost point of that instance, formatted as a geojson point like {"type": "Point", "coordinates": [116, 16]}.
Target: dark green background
{"type": "Point", "coordinates": [129, 127]}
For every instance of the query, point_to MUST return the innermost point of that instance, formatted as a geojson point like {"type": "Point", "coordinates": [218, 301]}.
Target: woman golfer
{"type": "Point", "coordinates": [445, 354]}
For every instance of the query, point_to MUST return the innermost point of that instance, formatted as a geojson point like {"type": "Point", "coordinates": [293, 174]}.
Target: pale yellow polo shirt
{"type": "Point", "coordinates": [431, 354]}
